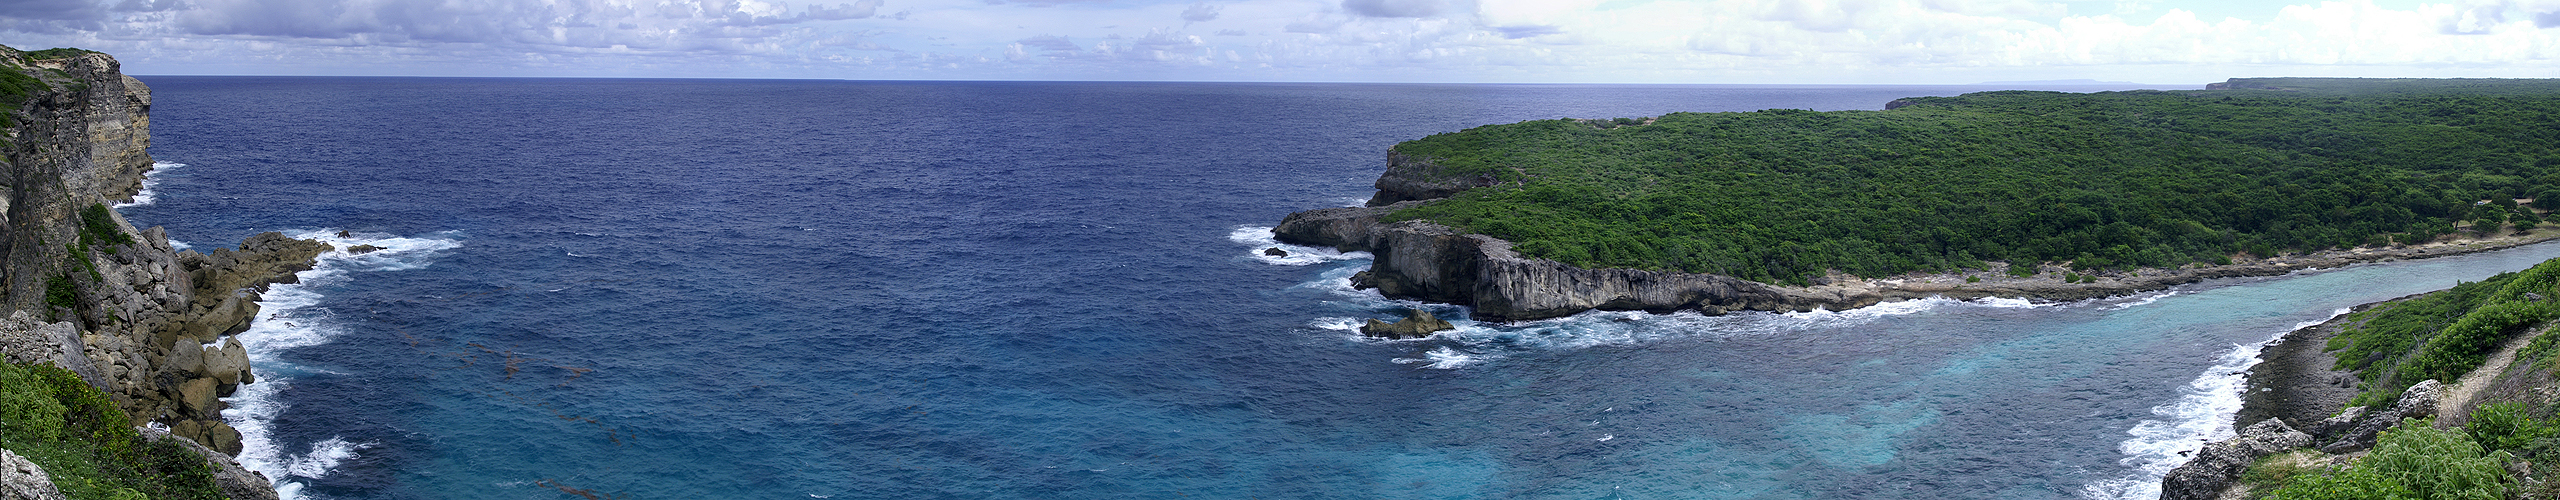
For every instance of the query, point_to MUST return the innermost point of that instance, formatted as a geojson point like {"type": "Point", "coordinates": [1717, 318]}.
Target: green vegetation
{"type": "Point", "coordinates": [98, 227]}
{"type": "Point", "coordinates": [57, 53]}
{"type": "Point", "coordinates": [2104, 180]}
{"type": "Point", "coordinates": [85, 443]}
{"type": "Point", "coordinates": [2411, 461]}
{"type": "Point", "coordinates": [2445, 334]}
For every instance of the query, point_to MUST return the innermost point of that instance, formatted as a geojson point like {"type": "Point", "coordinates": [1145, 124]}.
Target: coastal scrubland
{"type": "Point", "coordinates": [2110, 180]}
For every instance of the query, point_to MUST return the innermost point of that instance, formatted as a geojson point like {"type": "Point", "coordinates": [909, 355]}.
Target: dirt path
{"type": "Point", "coordinates": [2456, 404]}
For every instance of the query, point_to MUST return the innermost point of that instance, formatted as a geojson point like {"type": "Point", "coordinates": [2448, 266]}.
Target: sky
{"type": "Point", "coordinates": [1479, 41]}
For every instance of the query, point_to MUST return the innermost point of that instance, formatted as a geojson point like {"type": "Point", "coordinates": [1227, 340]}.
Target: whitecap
{"type": "Point", "coordinates": [288, 320]}
{"type": "Point", "coordinates": [2203, 413]}
{"type": "Point", "coordinates": [150, 179]}
{"type": "Point", "coordinates": [2139, 301]}
{"type": "Point", "coordinates": [1259, 239]}
{"type": "Point", "coordinates": [1445, 358]}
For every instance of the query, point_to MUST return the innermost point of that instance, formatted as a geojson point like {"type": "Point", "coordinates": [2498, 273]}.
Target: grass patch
{"type": "Point", "coordinates": [2413, 460]}
{"type": "Point", "coordinates": [86, 444]}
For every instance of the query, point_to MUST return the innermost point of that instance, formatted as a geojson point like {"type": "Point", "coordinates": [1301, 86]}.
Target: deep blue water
{"type": "Point", "coordinates": [818, 289]}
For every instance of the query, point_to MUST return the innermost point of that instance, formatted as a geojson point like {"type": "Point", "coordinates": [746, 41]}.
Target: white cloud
{"type": "Point", "coordinates": [1843, 41]}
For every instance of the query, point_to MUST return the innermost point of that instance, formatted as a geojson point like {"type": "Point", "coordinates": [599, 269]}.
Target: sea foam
{"type": "Point", "coordinates": [2203, 413]}
{"type": "Point", "coordinates": [291, 319]}
{"type": "Point", "coordinates": [1259, 238]}
{"type": "Point", "coordinates": [150, 179]}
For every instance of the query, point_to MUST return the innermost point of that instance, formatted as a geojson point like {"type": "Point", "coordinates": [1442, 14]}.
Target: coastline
{"type": "Point", "coordinates": [2295, 381]}
{"type": "Point", "coordinates": [1421, 260]}
{"type": "Point", "coordinates": [2047, 283]}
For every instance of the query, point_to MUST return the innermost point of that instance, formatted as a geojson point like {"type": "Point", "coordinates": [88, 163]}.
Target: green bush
{"type": "Point", "coordinates": [2446, 334]}
{"type": "Point", "coordinates": [89, 446]}
{"type": "Point", "coordinates": [2414, 460]}
{"type": "Point", "coordinates": [2506, 427]}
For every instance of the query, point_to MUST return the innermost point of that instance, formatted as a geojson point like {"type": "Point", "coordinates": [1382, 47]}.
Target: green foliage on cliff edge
{"type": "Point", "coordinates": [16, 85]}
{"type": "Point", "coordinates": [2104, 180]}
{"type": "Point", "coordinates": [69, 428]}
{"type": "Point", "coordinates": [2445, 334]}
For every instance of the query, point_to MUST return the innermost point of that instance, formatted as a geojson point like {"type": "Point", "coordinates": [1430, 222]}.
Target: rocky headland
{"type": "Point", "coordinates": [150, 326]}
{"type": "Point", "coordinates": [1421, 260]}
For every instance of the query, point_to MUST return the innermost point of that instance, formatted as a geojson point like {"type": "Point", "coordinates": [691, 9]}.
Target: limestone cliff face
{"type": "Point", "coordinates": [1425, 261]}
{"type": "Point", "coordinates": [87, 291]}
{"type": "Point", "coordinates": [1410, 178]}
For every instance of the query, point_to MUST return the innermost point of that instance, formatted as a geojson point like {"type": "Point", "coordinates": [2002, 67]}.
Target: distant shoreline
{"type": "Point", "coordinates": [2047, 283]}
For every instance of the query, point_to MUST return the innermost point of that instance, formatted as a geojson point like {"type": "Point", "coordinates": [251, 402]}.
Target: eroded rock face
{"type": "Point", "coordinates": [140, 311]}
{"type": "Point", "coordinates": [1425, 261]}
{"type": "Point", "coordinates": [1411, 178]}
{"type": "Point", "coordinates": [23, 480]}
{"type": "Point", "coordinates": [2218, 464]}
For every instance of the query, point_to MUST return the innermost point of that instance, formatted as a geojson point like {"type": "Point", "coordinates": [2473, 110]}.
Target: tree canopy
{"type": "Point", "coordinates": [2102, 180]}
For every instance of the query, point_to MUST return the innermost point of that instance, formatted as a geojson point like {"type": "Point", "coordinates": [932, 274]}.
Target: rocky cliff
{"type": "Point", "coordinates": [146, 324]}
{"type": "Point", "coordinates": [1425, 261]}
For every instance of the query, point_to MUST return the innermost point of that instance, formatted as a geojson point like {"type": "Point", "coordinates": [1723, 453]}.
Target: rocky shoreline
{"type": "Point", "coordinates": [1420, 260]}
{"type": "Point", "coordinates": [150, 326]}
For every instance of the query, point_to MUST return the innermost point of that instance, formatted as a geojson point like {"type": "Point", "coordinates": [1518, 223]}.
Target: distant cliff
{"type": "Point", "coordinates": [86, 291]}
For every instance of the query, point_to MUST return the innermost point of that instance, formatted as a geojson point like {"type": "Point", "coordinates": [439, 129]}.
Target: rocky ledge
{"type": "Point", "coordinates": [1420, 260]}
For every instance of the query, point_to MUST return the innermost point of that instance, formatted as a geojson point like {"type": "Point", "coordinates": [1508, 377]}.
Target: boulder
{"type": "Point", "coordinates": [2219, 463]}
{"type": "Point", "coordinates": [1275, 252]}
{"type": "Point", "coordinates": [221, 437]}
{"type": "Point", "coordinates": [185, 356]}
{"type": "Point", "coordinates": [2329, 428]}
{"type": "Point", "coordinates": [1416, 324]}
{"type": "Point", "coordinates": [197, 395]}
{"type": "Point", "coordinates": [226, 364]}
{"type": "Point", "coordinates": [363, 249]}
{"type": "Point", "coordinates": [23, 480]}
{"type": "Point", "coordinates": [2419, 402]}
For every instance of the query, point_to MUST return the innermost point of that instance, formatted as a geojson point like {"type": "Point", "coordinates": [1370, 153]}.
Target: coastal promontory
{"type": "Point", "coordinates": [2014, 194]}
{"type": "Point", "coordinates": [118, 345]}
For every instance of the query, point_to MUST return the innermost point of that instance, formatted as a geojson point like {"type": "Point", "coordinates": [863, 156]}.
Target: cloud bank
{"type": "Point", "coordinates": [1692, 41]}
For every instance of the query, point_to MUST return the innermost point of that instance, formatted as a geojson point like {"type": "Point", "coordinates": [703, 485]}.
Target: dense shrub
{"type": "Point", "coordinates": [2412, 461]}
{"type": "Point", "coordinates": [2446, 334]}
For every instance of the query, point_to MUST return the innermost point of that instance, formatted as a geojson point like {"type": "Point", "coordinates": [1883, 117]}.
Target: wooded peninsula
{"type": "Point", "coordinates": [2109, 180]}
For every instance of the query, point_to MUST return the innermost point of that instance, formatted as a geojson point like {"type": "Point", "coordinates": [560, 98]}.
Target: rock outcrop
{"type": "Point", "coordinates": [1419, 178]}
{"type": "Point", "coordinates": [1425, 261]}
{"type": "Point", "coordinates": [2419, 402]}
{"type": "Point", "coordinates": [23, 480]}
{"type": "Point", "coordinates": [2221, 463]}
{"type": "Point", "coordinates": [139, 320]}
{"type": "Point", "coordinates": [1416, 324]}
{"type": "Point", "coordinates": [2218, 464]}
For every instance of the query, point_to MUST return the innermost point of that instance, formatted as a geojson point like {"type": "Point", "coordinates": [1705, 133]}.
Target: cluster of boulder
{"type": "Point", "coordinates": [2219, 465]}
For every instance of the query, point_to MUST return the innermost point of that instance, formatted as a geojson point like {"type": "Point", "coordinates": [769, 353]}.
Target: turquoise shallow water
{"type": "Point", "coordinates": [804, 289]}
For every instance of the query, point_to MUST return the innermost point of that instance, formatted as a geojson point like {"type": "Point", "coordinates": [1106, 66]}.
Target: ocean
{"type": "Point", "coordinates": [833, 289]}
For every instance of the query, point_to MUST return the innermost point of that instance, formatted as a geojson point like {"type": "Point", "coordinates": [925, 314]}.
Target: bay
{"type": "Point", "coordinates": [826, 289]}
